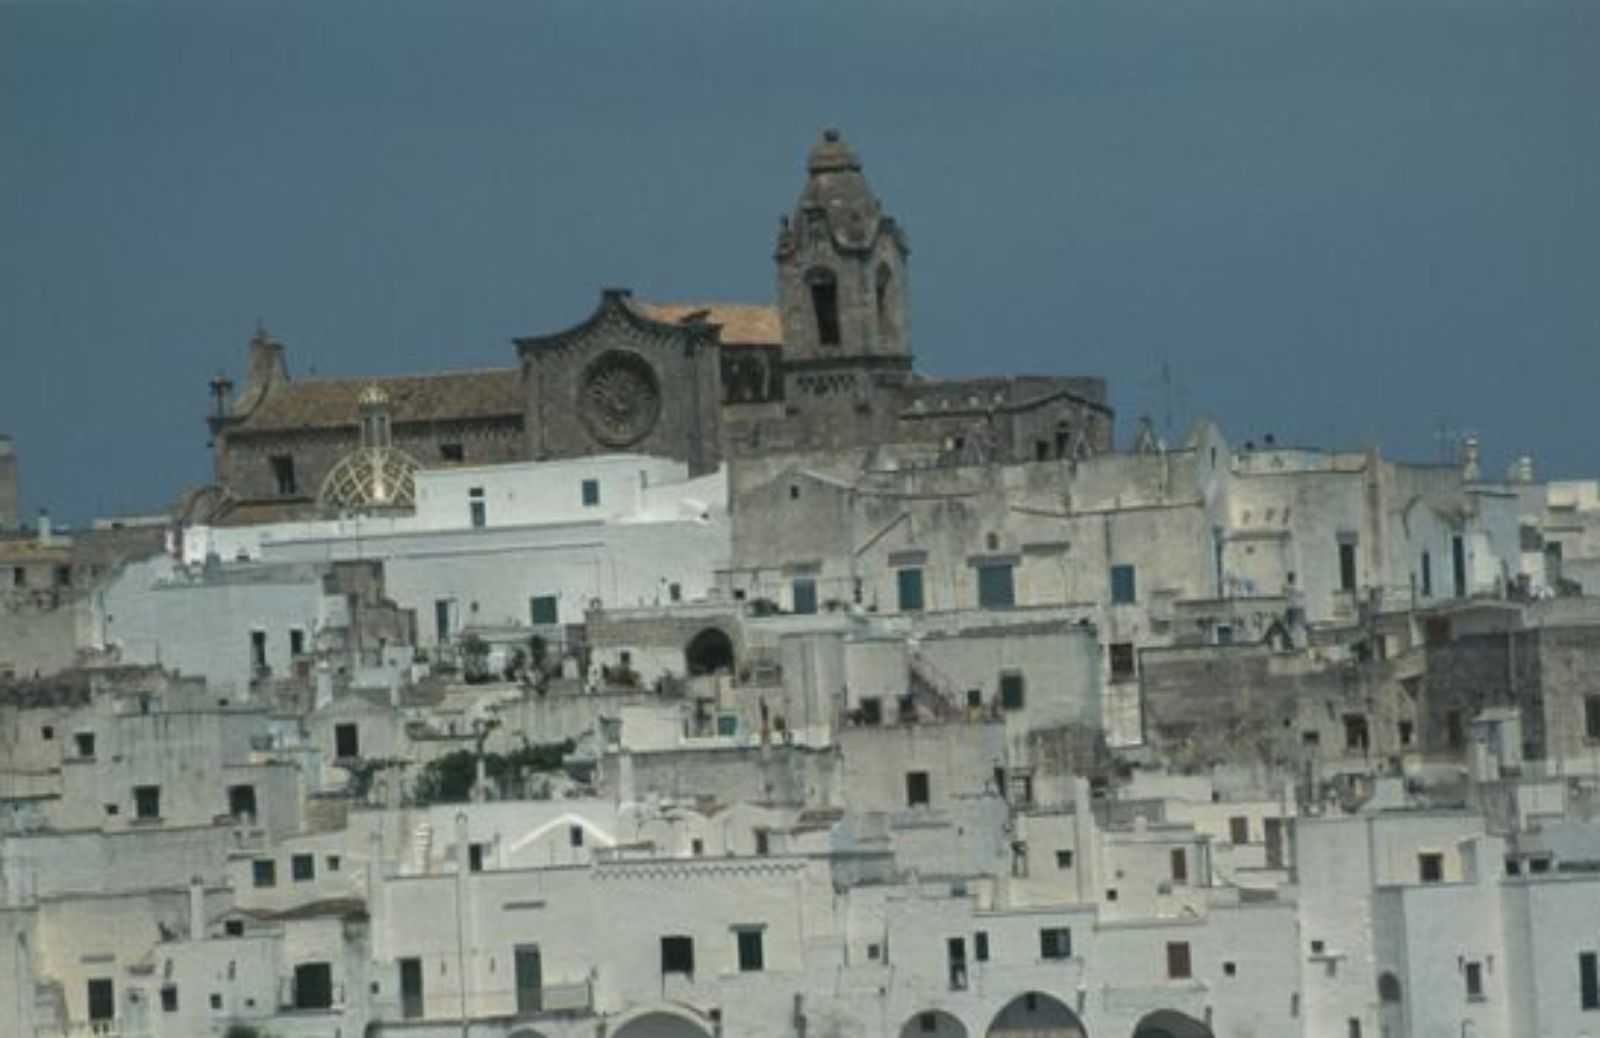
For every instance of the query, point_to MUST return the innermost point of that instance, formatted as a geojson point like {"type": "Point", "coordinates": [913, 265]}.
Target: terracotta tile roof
{"type": "Point", "coordinates": [449, 396]}
{"type": "Point", "coordinates": [743, 324]}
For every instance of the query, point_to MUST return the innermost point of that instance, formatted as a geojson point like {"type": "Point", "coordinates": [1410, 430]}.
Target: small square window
{"type": "Point", "coordinates": [332, 863]}
{"type": "Point", "coordinates": [83, 742]}
{"type": "Point", "coordinates": [996, 586]}
{"type": "Point", "coordinates": [1230, 969]}
{"type": "Point", "coordinates": [451, 452]}
{"type": "Point", "coordinates": [303, 867]}
{"type": "Point", "coordinates": [544, 610]}
{"type": "Point", "coordinates": [147, 802]}
{"type": "Point", "coordinates": [1055, 943]}
{"type": "Point", "coordinates": [591, 493]}
{"type": "Point", "coordinates": [233, 927]}
{"type": "Point", "coordinates": [677, 955]}
{"type": "Point", "coordinates": [264, 872]}
{"type": "Point", "coordinates": [1063, 859]}
{"type": "Point", "coordinates": [1430, 868]}
{"type": "Point", "coordinates": [47, 733]}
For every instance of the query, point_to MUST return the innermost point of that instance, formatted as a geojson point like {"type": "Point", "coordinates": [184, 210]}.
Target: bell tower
{"type": "Point", "coordinates": [842, 289]}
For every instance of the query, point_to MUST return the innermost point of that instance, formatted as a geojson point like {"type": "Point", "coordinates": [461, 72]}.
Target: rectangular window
{"type": "Point", "coordinates": [871, 708]}
{"type": "Point", "coordinates": [825, 305]}
{"type": "Point", "coordinates": [452, 452]}
{"type": "Point", "coordinates": [1124, 585]}
{"type": "Point", "coordinates": [804, 592]}
{"type": "Point", "coordinates": [1458, 564]}
{"type": "Point", "coordinates": [1588, 981]}
{"type": "Point", "coordinates": [908, 585]}
{"type": "Point", "coordinates": [1427, 574]}
{"type": "Point", "coordinates": [1012, 690]}
{"type": "Point", "coordinates": [591, 493]}
{"type": "Point", "coordinates": [996, 587]}
{"type": "Point", "coordinates": [169, 998]}
{"type": "Point", "coordinates": [346, 740]}
{"type": "Point", "coordinates": [956, 962]}
{"type": "Point", "coordinates": [303, 868]}
{"type": "Point", "coordinates": [63, 576]}
{"type": "Point", "coordinates": [751, 953]}
{"type": "Point", "coordinates": [1055, 943]}
{"type": "Point", "coordinates": [1239, 829]}
{"type": "Point", "coordinates": [258, 651]}
{"type": "Point", "coordinates": [1591, 716]}
{"type": "Point", "coordinates": [1347, 565]}
{"type": "Point", "coordinates": [1178, 965]}
{"type": "Point", "coordinates": [1430, 868]}
{"type": "Point", "coordinates": [543, 610]}
{"type": "Point", "coordinates": [1180, 865]}
{"type": "Point", "coordinates": [1355, 733]}
{"type": "Point", "coordinates": [283, 474]}
{"type": "Point", "coordinates": [242, 802]}
{"type": "Point", "coordinates": [980, 946]}
{"type": "Point", "coordinates": [1123, 661]}
{"type": "Point", "coordinates": [477, 508]}
{"type": "Point", "coordinates": [297, 642]}
{"type": "Point", "coordinates": [917, 791]}
{"type": "Point", "coordinates": [1063, 859]}
{"type": "Point", "coordinates": [313, 986]}
{"type": "Point", "coordinates": [264, 873]}
{"type": "Point", "coordinates": [83, 742]}
{"type": "Point", "coordinates": [677, 955]}
{"type": "Point", "coordinates": [444, 619]}
{"type": "Point", "coordinates": [1474, 978]}
{"type": "Point", "coordinates": [474, 857]}
{"type": "Point", "coordinates": [574, 836]}
{"type": "Point", "coordinates": [147, 801]}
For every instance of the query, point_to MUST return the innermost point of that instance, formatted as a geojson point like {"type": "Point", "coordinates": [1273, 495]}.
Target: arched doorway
{"type": "Point", "coordinates": [933, 1023]}
{"type": "Point", "coordinates": [1036, 1015]}
{"type": "Point", "coordinates": [709, 652]}
{"type": "Point", "coordinates": [661, 1025]}
{"type": "Point", "coordinates": [1168, 1023]}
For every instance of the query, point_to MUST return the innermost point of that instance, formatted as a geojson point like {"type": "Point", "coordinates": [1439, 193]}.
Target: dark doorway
{"type": "Point", "coordinates": [530, 979]}
{"type": "Point", "coordinates": [709, 652]}
{"type": "Point", "coordinates": [102, 1000]}
{"type": "Point", "coordinates": [411, 989]}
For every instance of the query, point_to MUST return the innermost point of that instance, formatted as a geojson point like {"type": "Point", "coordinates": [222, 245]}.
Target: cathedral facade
{"type": "Point", "coordinates": [828, 366]}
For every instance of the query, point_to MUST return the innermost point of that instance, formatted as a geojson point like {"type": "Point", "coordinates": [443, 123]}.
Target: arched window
{"type": "Point", "coordinates": [886, 323]}
{"type": "Point", "coordinates": [1388, 988]}
{"type": "Point", "coordinates": [825, 304]}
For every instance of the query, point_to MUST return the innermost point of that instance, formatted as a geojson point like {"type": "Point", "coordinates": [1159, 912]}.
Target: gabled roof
{"type": "Point", "coordinates": [742, 324]}
{"type": "Point", "coordinates": [444, 397]}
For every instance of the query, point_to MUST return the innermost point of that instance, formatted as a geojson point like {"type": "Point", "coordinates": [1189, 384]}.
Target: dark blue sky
{"type": "Point", "coordinates": [1342, 221]}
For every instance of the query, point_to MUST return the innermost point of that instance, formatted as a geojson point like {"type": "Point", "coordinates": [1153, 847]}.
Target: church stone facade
{"type": "Point", "coordinates": [828, 367]}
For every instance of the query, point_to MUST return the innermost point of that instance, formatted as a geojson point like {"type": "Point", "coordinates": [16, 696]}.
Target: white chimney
{"type": "Point", "coordinates": [197, 909]}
